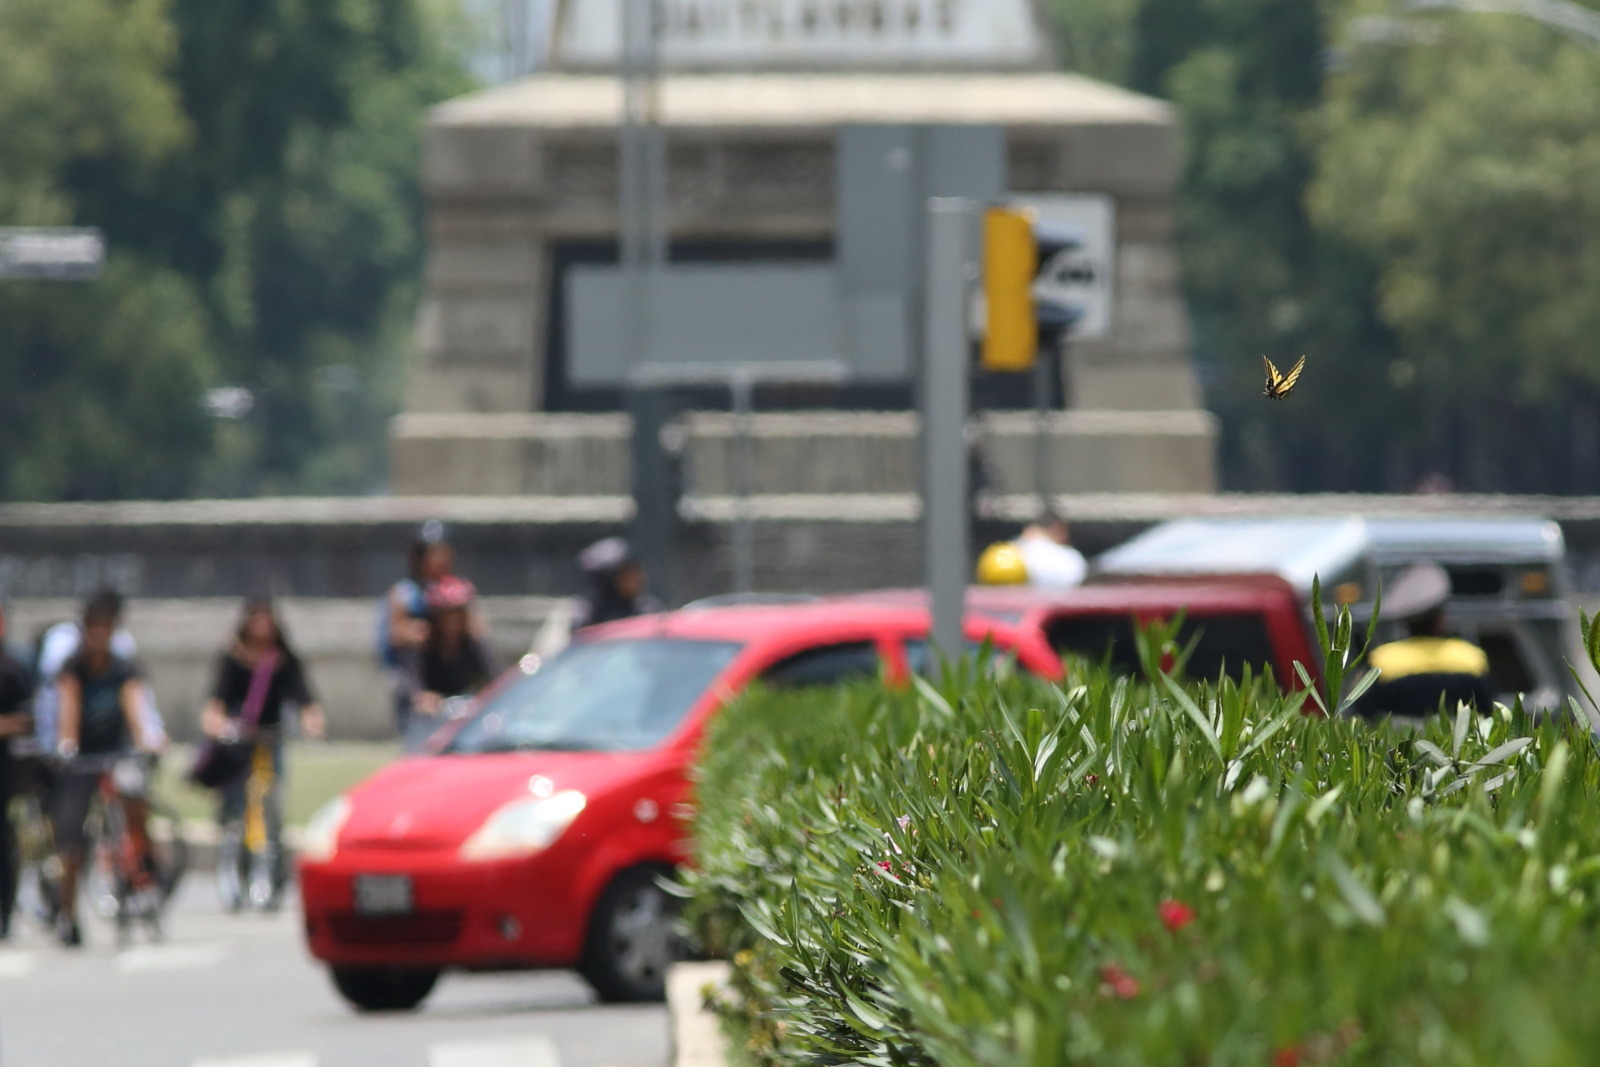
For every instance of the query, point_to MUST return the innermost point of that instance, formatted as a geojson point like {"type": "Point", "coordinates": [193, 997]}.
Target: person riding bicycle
{"type": "Point", "coordinates": [99, 712]}
{"type": "Point", "coordinates": [257, 677]}
{"type": "Point", "coordinates": [453, 662]}
{"type": "Point", "coordinates": [16, 695]}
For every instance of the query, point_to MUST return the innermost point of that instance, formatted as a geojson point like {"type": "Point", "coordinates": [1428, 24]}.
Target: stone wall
{"type": "Point", "coordinates": [804, 452]}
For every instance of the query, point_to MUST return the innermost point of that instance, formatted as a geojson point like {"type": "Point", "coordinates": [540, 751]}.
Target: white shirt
{"type": "Point", "coordinates": [1051, 565]}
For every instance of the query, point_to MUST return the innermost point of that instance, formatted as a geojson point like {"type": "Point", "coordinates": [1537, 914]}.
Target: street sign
{"type": "Point", "coordinates": [1081, 273]}
{"type": "Point", "coordinates": [66, 254]}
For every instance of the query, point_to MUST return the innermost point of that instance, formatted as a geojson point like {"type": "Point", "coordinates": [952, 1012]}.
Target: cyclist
{"type": "Point", "coordinates": [59, 643]}
{"type": "Point", "coordinates": [100, 715]}
{"type": "Point", "coordinates": [453, 662]}
{"type": "Point", "coordinates": [258, 677]}
{"type": "Point", "coordinates": [16, 694]}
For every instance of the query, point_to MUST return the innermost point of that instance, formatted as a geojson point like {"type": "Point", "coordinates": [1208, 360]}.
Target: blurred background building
{"type": "Point", "coordinates": [522, 187]}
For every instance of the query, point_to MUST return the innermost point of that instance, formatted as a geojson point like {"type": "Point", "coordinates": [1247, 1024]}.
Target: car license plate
{"type": "Point", "coordinates": [383, 894]}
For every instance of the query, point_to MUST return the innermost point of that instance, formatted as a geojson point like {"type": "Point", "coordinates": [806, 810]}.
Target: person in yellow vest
{"type": "Point", "coordinates": [1427, 667]}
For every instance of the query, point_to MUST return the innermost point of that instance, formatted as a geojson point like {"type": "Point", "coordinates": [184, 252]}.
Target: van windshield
{"type": "Point", "coordinates": [605, 696]}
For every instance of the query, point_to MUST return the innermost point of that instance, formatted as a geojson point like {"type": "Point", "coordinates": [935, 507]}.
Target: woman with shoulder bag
{"type": "Point", "coordinates": [258, 680]}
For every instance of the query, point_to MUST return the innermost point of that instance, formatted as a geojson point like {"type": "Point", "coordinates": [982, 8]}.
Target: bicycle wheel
{"type": "Point", "coordinates": [103, 882]}
{"type": "Point", "coordinates": [38, 866]}
{"type": "Point", "coordinates": [169, 852]}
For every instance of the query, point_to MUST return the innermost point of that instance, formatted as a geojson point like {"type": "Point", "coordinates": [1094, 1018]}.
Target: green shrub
{"type": "Point", "coordinates": [993, 871]}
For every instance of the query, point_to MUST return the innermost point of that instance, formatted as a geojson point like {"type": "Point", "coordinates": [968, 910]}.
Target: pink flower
{"type": "Point", "coordinates": [1175, 914]}
{"type": "Point", "coordinates": [1118, 981]}
{"type": "Point", "coordinates": [886, 865]}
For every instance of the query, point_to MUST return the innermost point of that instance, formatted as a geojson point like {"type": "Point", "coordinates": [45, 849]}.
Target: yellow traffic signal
{"type": "Point", "coordinates": [1010, 262]}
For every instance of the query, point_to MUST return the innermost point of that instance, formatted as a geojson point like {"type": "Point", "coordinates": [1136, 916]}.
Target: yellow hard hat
{"type": "Point", "coordinates": [1001, 564]}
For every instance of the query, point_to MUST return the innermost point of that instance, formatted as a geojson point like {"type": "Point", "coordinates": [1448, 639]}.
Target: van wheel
{"type": "Point", "coordinates": [633, 938]}
{"type": "Point", "coordinates": [383, 988]}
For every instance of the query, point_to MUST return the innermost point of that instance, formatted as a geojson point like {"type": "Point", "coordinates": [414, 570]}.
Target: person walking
{"type": "Point", "coordinates": [453, 662]}
{"type": "Point", "coordinates": [258, 680]}
{"type": "Point", "coordinates": [100, 695]}
{"type": "Point", "coordinates": [1428, 666]}
{"type": "Point", "coordinates": [618, 586]}
{"type": "Point", "coordinates": [16, 721]}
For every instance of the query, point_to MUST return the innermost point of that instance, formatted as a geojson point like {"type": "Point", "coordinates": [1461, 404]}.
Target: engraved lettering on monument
{"type": "Point", "coordinates": [831, 33]}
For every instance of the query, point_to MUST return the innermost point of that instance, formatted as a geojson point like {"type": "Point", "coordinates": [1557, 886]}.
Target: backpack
{"type": "Point", "coordinates": [416, 605]}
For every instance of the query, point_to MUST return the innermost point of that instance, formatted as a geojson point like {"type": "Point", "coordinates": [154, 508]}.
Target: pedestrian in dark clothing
{"type": "Point", "coordinates": [617, 585]}
{"type": "Point", "coordinates": [1427, 667]}
{"type": "Point", "coordinates": [16, 695]}
{"type": "Point", "coordinates": [452, 662]}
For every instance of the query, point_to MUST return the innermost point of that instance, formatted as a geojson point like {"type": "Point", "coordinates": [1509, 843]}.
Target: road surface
{"type": "Point", "coordinates": [240, 991]}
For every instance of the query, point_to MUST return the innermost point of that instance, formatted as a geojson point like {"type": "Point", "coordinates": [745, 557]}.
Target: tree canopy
{"type": "Point", "coordinates": [255, 167]}
{"type": "Point", "coordinates": [1409, 200]}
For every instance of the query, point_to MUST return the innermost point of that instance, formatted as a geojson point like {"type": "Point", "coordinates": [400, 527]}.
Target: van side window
{"type": "Point", "coordinates": [1226, 644]}
{"type": "Point", "coordinates": [825, 665]}
{"type": "Point", "coordinates": [1094, 637]}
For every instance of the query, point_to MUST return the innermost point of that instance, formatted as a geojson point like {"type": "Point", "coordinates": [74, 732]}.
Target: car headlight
{"type": "Point", "coordinates": [524, 827]}
{"type": "Point", "coordinates": [321, 838]}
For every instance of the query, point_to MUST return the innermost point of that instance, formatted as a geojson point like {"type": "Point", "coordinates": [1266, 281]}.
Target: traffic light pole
{"type": "Point", "coordinates": [952, 269]}
{"type": "Point", "coordinates": [1041, 429]}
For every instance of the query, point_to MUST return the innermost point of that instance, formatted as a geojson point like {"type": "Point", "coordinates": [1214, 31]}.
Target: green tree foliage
{"type": "Point", "coordinates": [1411, 209]}
{"type": "Point", "coordinates": [1246, 76]}
{"type": "Point", "coordinates": [99, 383]}
{"type": "Point", "coordinates": [255, 166]}
{"type": "Point", "coordinates": [1463, 156]}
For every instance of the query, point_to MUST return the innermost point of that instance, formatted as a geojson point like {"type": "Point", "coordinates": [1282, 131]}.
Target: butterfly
{"type": "Point", "coordinates": [1278, 385]}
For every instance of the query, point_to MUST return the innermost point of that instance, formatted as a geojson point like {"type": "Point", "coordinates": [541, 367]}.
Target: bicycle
{"type": "Point", "coordinates": [126, 881]}
{"type": "Point", "coordinates": [251, 867]}
{"type": "Point", "coordinates": [38, 863]}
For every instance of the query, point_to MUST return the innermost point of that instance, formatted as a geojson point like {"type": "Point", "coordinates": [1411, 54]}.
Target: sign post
{"type": "Point", "coordinates": [952, 270]}
{"type": "Point", "coordinates": [741, 380]}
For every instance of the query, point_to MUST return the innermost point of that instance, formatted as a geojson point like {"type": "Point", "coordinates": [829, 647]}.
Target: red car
{"type": "Point", "coordinates": [537, 836]}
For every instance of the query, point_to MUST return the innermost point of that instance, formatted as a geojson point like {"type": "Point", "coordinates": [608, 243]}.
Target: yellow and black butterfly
{"type": "Point", "coordinates": [1278, 385]}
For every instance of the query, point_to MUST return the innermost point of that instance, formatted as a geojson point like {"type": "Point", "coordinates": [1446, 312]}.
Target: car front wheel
{"type": "Point", "coordinates": [633, 938]}
{"type": "Point", "coordinates": [383, 988]}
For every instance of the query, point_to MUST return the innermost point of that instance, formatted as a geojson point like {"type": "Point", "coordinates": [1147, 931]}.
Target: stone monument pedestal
{"type": "Point", "coordinates": [522, 187]}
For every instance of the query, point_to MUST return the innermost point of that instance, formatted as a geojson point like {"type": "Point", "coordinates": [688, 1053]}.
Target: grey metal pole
{"type": "Point", "coordinates": [944, 415]}
{"type": "Point", "coordinates": [744, 553]}
{"type": "Point", "coordinates": [1041, 428]}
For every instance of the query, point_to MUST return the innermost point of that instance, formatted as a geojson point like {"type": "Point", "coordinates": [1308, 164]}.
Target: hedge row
{"type": "Point", "coordinates": [992, 871]}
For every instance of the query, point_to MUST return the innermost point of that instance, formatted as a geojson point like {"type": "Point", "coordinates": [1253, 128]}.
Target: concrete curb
{"type": "Point", "coordinates": [696, 1032]}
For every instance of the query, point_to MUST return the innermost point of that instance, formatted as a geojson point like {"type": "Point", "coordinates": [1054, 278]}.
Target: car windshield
{"type": "Point", "coordinates": [608, 696]}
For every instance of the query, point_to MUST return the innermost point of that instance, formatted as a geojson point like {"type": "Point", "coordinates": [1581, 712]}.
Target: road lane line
{"type": "Point", "coordinates": [261, 1059]}
{"type": "Point", "coordinates": [169, 958]}
{"type": "Point", "coordinates": [17, 963]}
{"type": "Point", "coordinates": [498, 1052]}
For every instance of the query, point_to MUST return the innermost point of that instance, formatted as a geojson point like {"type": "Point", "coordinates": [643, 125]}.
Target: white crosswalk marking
{"type": "Point", "coordinates": [496, 1052]}
{"type": "Point", "coordinates": [261, 1059]}
{"type": "Point", "coordinates": [169, 958]}
{"type": "Point", "coordinates": [17, 963]}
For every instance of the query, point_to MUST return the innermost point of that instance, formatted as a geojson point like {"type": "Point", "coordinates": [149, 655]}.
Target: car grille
{"type": "Point", "coordinates": [418, 928]}
{"type": "Point", "coordinates": [406, 843]}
